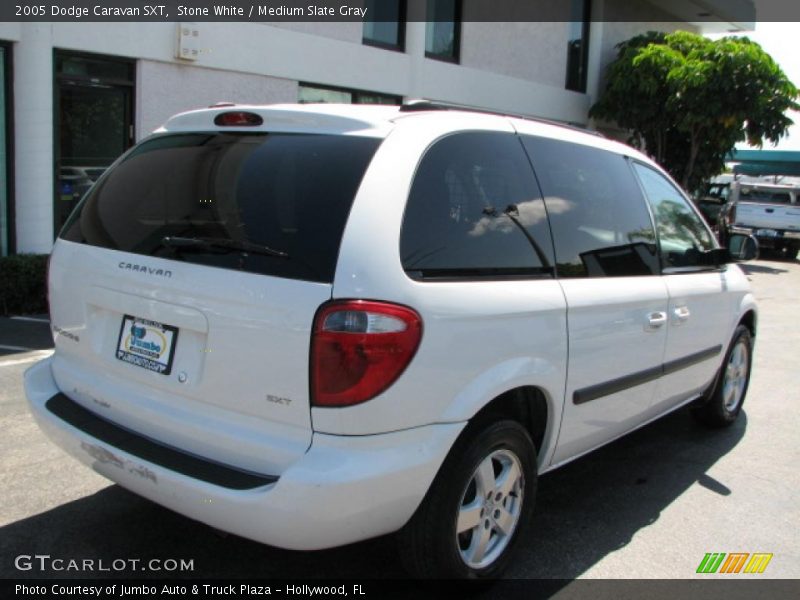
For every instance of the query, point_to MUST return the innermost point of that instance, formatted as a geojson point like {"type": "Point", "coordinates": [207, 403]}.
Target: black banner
{"type": "Point", "coordinates": [720, 11]}
{"type": "Point", "coordinates": [732, 588]}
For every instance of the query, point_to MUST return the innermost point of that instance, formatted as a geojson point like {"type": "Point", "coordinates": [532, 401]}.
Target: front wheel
{"type": "Point", "coordinates": [725, 402]}
{"type": "Point", "coordinates": [482, 498]}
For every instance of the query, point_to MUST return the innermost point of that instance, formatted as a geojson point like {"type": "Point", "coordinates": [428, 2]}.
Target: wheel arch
{"type": "Point", "coordinates": [530, 406]}
{"type": "Point", "coordinates": [749, 319]}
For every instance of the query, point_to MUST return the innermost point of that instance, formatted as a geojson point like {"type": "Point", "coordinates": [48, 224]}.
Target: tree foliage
{"type": "Point", "coordinates": [688, 100]}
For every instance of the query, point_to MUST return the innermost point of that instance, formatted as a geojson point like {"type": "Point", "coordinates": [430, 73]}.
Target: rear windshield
{"type": "Point", "coordinates": [766, 196]}
{"type": "Point", "coordinates": [268, 203]}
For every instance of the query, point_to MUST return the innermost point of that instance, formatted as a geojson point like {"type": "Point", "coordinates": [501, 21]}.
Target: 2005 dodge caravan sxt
{"type": "Point", "coordinates": [311, 325]}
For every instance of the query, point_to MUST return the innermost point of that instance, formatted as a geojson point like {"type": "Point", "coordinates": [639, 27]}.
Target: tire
{"type": "Point", "coordinates": [725, 402]}
{"type": "Point", "coordinates": [488, 485]}
{"type": "Point", "coordinates": [789, 253]}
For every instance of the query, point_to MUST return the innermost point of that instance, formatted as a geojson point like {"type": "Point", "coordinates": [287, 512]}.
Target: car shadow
{"type": "Point", "coordinates": [596, 504]}
{"type": "Point", "coordinates": [585, 510]}
{"type": "Point", "coordinates": [749, 268]}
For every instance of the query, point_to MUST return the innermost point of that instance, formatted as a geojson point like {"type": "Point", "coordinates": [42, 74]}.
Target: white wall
{"type": "Point", "coordinates": [529, 51]}
{"type": "Point", "coordinates": [513, 82]}
{"type": "Point", "coordinates": [164, 89]}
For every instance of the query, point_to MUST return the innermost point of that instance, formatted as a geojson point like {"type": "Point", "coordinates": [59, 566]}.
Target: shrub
{"type": "Point", "coordinates": [23, 288]}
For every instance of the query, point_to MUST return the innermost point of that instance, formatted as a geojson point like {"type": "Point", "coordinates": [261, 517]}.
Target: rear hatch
{"type": "Point", "coordinates": [768, 216]}
{"type": "Point", "coordinates": [184, 287]}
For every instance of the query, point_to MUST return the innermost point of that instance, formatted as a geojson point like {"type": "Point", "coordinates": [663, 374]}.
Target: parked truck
{"type": "Point", "coordinates": [768, 211]}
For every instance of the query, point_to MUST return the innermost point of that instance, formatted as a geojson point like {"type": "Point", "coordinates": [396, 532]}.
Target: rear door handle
{"type": "Point", "coordinates": [655, 320]}
{"type": "Point", "coordinates": [682, 314]}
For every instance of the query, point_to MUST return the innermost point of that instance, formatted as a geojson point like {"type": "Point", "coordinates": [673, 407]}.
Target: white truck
{"type": "Point", "coordinates": [768, 211]}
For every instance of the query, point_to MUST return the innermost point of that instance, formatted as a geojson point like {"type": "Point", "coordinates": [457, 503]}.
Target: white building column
{"type": "Point", "coordinates": [33, 138]}
{"type": "Point", "coordinates": [594, 64]}
{"type": "Point", "coordinates": [415, 50]}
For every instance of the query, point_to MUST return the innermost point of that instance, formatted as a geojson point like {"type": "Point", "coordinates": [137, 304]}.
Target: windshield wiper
{"type": "Point", "coordinates": [512, 212]}
{"type": "Point", "coordinates": [180, 243]}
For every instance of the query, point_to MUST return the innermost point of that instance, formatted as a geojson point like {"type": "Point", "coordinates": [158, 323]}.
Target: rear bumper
{"type": "Point", "coordinates": [344, 489]}
{"type": "Point", "coordinates": [780, 238]}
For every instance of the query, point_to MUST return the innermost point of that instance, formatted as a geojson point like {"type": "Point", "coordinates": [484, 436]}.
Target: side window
{"type": "Point", "coordinates": [601, 225]}
{"type": "Point", "coordinates": [682, 235]}
{"type": "Point", "coordinates": [474, 210]}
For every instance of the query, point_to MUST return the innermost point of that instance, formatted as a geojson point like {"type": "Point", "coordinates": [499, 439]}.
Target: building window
{"type": "Point", "coordinates": [578, 45]}
{"type": "Point", "coordinates": [94, 122]}
{"type": "Point", "coordinates": [308, 93]}
{"type": "Point", "coordinates": [6, 222]}
{"type": "Point", "coordinates": [443, 29]}
{"type": "Point", "coordinates": [386, 27]}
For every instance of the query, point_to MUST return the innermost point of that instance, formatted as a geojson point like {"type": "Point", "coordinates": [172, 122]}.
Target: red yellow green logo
{"type": "Point", "coordinates": [734, 562]}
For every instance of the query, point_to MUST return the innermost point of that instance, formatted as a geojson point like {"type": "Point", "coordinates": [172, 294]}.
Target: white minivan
{"type": "Point", "coordinates": [310, 325]}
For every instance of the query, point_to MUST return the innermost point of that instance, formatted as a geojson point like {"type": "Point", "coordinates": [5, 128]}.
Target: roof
{"type": "Point", "coordinates": [344, 119]}
{"type": "Point", "coordinates": [378, 120]}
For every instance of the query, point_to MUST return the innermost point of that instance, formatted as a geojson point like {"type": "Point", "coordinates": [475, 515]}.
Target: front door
{"type": "Point", "coordinates": [700, 312]}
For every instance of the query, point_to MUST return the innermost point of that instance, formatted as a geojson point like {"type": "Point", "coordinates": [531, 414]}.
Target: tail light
{"type": "Point", "coordinates": [732, 215]}
{"type": "Point", "coordinates": [238, 118]}
{"type": "Point", "coordinates": [359, 348]}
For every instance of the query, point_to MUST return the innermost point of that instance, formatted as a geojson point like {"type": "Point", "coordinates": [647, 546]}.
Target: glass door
{"type": "Point", "coordinates": [94, 123]}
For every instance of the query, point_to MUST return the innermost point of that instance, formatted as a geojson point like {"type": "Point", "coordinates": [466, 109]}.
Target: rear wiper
{"type": "Point", "coordinates": [178, 242]}
{"type": "Point", "coordinates": [512, 212]}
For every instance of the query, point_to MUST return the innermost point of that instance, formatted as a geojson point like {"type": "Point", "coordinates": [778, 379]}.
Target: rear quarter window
{"type": "Point", "coordinates": [291, 193]}
{"type": "Point", "coordinates": [474, 210]}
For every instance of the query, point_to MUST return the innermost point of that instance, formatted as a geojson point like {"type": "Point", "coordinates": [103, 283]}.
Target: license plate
{"type": "Point", "coordinates": [147, 344]}
{"type": "Point", "coordinates": [767, 233]}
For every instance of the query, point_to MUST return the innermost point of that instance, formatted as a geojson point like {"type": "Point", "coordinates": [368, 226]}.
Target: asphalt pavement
{"type": "Point", "coordinates": [650, 505]}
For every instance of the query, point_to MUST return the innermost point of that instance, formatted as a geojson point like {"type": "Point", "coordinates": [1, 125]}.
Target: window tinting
{"type": "Point", "coordinates": [682, 235]}
{"type": "Point", "coordinates": [600, 222]}
{"type": "Point", "coordinates": [274, 204]}
{"type": "Point", "coordinates": [474, 210]}
{"type": "Point", "coordinates": [443, 29]}
{"type": "Point", "coordinates": [385, 26]}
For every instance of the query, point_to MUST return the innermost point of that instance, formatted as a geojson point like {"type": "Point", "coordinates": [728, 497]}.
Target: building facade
{"type": "Point", "coordinates": [74, 96]}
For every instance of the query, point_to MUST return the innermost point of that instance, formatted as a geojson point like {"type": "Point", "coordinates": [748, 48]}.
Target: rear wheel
{"type": "Point", "coordinates": [469, 522]}
{"type": "Point", "coordinates": [725, 402]}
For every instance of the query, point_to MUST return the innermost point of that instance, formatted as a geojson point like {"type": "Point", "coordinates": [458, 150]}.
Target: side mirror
{"type": "Point", "coordinates": [742, 247]}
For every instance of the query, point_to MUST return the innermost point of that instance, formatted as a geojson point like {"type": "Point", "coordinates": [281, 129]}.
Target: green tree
{"type": "Point", "coordinates": [688, 100]}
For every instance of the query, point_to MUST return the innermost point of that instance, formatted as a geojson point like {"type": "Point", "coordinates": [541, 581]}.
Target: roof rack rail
{"type": "Point", "coordinates": [419, 105]}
